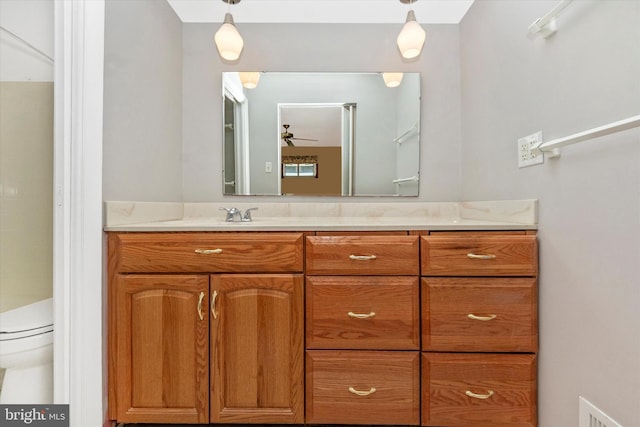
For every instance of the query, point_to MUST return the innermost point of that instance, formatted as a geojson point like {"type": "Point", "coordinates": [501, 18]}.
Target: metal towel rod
{"type": "Point", "coordinates": [554, 145]}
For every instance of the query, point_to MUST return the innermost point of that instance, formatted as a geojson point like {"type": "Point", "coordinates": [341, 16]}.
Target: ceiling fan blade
{"type": "Point", "coordinates": [304, 139]}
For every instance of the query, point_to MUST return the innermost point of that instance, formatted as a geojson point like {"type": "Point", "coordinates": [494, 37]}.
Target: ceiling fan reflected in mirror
{"type": "Point", "coordinates": [288, 137]}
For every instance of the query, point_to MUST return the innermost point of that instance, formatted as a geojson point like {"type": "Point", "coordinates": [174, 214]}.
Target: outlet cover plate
{"type": "Point", "coordinates": [525, 156]}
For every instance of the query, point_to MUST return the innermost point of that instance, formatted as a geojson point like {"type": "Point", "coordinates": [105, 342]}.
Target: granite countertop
{"type": "Point", "coordinates": [485, 215]}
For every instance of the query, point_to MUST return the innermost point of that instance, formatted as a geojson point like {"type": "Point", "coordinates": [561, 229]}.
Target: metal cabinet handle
{"type": "Point", "coordinates": [362, 392]}
{"type": "Point", "coordinates": [479, 396]}
{"type": "Point", "coordinates": [361, 315]}
{"type": "Point", "coordinates": [481, 318]}
{"type": "Point", "coordinates": [362, 257]}
{"type": "Point", "coordinates": [200, 306]}
{"type": "Point", "coordinates": [214, 297]}
{"type": "Point", "coordinates": [208, 251]}
{"type": "Point", "coordinates": [481, 256]}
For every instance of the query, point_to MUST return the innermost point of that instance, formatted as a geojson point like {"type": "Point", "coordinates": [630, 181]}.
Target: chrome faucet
{"type": "Point", "coordinates": [232, 214]}
{"type": "Point", "coordinates": [247, 214]}
{"type": "Point", "coordinates": [235, 214]}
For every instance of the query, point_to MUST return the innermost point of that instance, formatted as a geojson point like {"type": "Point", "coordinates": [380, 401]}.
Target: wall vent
{"type": "Point", "coordinates": [590, 416]}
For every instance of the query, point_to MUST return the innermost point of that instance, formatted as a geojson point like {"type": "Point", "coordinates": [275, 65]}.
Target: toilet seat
{"type": "Point", "coordinates": [27, 321]}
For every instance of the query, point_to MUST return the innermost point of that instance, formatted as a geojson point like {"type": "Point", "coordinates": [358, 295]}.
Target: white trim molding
{"type": "Point", "coordinates": [78, 302]}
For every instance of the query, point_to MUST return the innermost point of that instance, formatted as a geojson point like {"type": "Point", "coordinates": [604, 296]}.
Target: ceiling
{"type": "Point", "coordinates": [321, 11]}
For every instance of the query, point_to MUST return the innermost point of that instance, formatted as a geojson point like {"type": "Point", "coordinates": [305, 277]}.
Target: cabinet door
{"type": "Point", "coordinates": [257, 371]}
{"type": "Point", "coordinates": [162, 348]}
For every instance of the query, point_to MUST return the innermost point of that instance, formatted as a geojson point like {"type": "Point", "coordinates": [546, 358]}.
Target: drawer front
{"type": "Point", "coordinates": [362, 255]}
{"type": "Point", "coordinates": [363, 312]}
{"type": "Point", "coordinates": [207, 252]}
{"type": "Point", "coordinates": [474, 390]}
{"type": "Point", "coordinates": [363, 387]}
{"type": "Point", "coordinates": [457, 254]}
{"type": "Point", "coordinates": [479, 314]}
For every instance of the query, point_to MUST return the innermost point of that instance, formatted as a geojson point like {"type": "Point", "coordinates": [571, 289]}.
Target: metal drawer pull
{"type": "Point", "coordinates": [362, 392]}
{"type": "Point", "coordinates": [213, 304]}
{"type": "Point", "coordinates": [482, 318]}
{"type": "Point", "coordinates": [479, 396]}
{"type": "Point", "coordinates": [200, 306]}
{"type": "Point", "coordinates": [361, 315]}
{"type": "Point", "coordinates": [208, 251]}
{"type": "Point", "coordinates": [481, 256]}
{"type": "Point", "coordinates": [362, 257]}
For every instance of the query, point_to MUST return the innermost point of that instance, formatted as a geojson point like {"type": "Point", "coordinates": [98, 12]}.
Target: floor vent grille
{"type": "Point", "coordinates": [590, 416]}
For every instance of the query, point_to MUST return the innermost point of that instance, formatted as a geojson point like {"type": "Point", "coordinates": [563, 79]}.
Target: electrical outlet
{"type": "Point", "coordinates": [525, 155]}
{"type": "Point", "coordinates": [268, 167]}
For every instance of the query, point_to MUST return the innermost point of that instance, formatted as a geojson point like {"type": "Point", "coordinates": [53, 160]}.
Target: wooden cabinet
{"type": "Point", "coordinates": [371, 328]}
{"type": "Point", "coordinates": [162, 348]}
{"type": "Point", "coordinates": [479, 329]}
{"type": "Point", "coordinates": [363, 387]}
{"type": "Point", "coordinates": [473, 389]}
{"type": "Point", "coordinates": [200, 348]}
{"type": "Point", "coordinates": [257, 348]}
{"type": "Point", "coordinates": [363, 312]}
{"type": "Point", "coordinates": [362, 329]}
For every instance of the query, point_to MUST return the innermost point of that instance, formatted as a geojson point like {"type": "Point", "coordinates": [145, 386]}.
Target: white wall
{"type": "Point", "coordinates": [587, 74]}
{"type": "Point", "coordinates": [142, 102]}
{"type": "Point", "coordinates": [32, 21]}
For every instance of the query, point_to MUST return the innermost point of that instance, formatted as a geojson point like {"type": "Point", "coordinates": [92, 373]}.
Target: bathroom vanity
{"type": "Point", "coordinates": [343, 322]}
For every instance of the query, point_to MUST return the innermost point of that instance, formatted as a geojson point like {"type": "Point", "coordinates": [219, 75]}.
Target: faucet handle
{"type": "Point", "coordinates": [231, 212]}
{"type": "Point", "coordinates": [247, 214]}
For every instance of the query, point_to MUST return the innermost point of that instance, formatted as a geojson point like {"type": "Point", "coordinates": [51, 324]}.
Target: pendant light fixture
{"type": "Point", "coordinates": [228, 40]}
{"type": "Point", "coordinates": [392, 79]}
{"type": "Point", "coordinates": [249, 79]}
{"type": "Point", "coordinates": [411, 38]}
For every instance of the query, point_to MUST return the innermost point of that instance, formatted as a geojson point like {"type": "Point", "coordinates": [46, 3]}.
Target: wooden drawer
{"type": "Point", "coordinates": [363, 387]}
{"type": "Point", "coordinates": [362, 255]}
{"type": "Point", "coordinates": [479, 314]}
{"type": "Point", "coordinates": [207, 252]}
{"type": "Point", "coordinates": [363, 312]}
{"type": "Point", "coordinates": [475, 254]}
{"type": "Point", "coordinates": [474, 390]}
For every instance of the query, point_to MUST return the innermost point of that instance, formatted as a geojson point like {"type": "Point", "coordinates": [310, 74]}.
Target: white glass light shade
{"type": "Point", "coordinates": [228, 40]}
{"type": "Point", "coordinates": [392, 79]}
{"type": "Point", "coordinates": [249, 79]}
{"type": "Point", "coordinates": [411, 38]}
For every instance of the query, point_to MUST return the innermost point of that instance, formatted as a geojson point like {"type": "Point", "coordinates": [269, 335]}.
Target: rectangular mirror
{"type": "Point", "coordinates": [321, 134]}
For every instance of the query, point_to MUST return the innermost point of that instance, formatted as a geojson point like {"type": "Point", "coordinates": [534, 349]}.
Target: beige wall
{"type": "Point", "coordinates": [329, 179]}
{"type": "Point", "coordinates": [26, 209]}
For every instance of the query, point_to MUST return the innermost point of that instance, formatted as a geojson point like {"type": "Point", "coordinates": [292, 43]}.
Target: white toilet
{"type": "Point", "coordinates": [26, 352]}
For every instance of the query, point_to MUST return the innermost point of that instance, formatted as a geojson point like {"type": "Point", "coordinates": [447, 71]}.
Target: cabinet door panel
{"type": "Point", "coordinates": [479, 390]}
{"type": "Point", "coordinates": [257, 354]}
{"type": "Point", "coordinates": [479, 255]}
{"type": "Point", "coordinates": [479, 314]}
{"type": "Point", "coordinates": [363, 387]}
{"type": "Point", "coordinates": [209, 252]}
{"type": "Point", "coordinates": [162, 348]}
{"type": "Point", "coordinates": [363, 312]}
{"type": "Point", "coordinates": [362, 255]}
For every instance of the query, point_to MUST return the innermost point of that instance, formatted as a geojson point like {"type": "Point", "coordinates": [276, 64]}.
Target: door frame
{"type": "Point", "coordinates": [78, 292]}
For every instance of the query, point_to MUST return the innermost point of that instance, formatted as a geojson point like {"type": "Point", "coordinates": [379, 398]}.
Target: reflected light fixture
{"type": "Point", "coordinates": [392, 79]}
{"type": "Point", "coordinates": [249, 79]}
{"type": "Point", "coordinates": [411, 38]}
{"type": "Point", "coordinates": [228, 40]}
